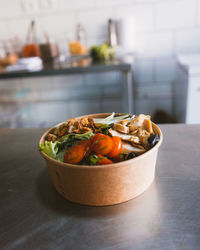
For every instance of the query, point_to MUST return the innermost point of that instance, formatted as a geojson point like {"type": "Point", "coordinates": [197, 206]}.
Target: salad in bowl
{"type": "Point", "coordinates": [102, 159]}
{"type": "Point", "coordinates": [100, 141]}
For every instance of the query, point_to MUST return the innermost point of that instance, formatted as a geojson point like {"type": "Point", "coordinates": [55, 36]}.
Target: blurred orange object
{"type": "Point", "coordinates": [81, 63]}
{"type": "Point", "coordinates": [76, 48]}
{"type": "Point", "coordinates": [9, 60]}
{"type": "Point", "coordinates": [30, 50]}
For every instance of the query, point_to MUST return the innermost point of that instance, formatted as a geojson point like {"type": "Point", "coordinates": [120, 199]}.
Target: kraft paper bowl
{"type": "Point", "coordinates": [103, 184]}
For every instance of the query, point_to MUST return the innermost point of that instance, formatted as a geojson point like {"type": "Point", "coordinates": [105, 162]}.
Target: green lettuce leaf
{"type": "Point", "coordinates": [60, 155]}
{"type": "Point", "coordinates": [69, 140]}
{"type": "Point", "coordinates": [50, 148]}
{"type": "Point", "coordinates": [84, 136]}
{"type": "Point", "coordinates": [56, 150]}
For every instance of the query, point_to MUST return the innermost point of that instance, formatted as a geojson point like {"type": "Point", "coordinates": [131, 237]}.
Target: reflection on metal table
{"type": "Point", "coordinates": [34, 216]}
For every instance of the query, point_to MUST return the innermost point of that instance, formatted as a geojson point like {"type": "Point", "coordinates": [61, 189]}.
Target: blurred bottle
{"type": "Point", "coordinates": [112, 35]}
{"type": "Point", "coordinates": [81, 35]}
{"type": "Point", "coordinates": [79, 47]}
{"type": "Point", "coordinates": [8, 55]}
{"type": "Point", "coordinates": [31, 48]}
{"type": "Point", "coordinates": [48, 49]}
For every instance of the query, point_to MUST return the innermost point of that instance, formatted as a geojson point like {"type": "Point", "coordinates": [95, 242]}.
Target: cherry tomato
{"type": "Point", "coordinates": [102, 144]}
{"type": "Point", "coordinates": [95, 137]}
{"type": "Point", "coordinates": [74, 154]}
{"type": "Point", "coordinates": [117, 147]}
{"type": "Point", "coordinates": [103, 161]}
{"type": "Point", "coordinates": [87, 145]}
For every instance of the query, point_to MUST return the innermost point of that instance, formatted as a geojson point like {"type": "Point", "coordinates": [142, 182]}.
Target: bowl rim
{"type": "Point", "coordinates": [114, 165]}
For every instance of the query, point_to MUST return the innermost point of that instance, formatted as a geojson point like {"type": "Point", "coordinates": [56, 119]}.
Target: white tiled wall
{"type": "Point", "coordinates": [165, 69]}
{"type": "Point", "coordinates": [160, 24]}
{"type": "Point", "coordinates": [143, 71]}
{"type": "Point", "coordinates": [187, 41]}
{"type": "Point", "coordinates": [175, 14]}
{"type": "Point", "coordinates": [155, 44]}
{"type": "Point", "coordinates": [163, 29]}
{"type": "Point", "coordinates": [143, 15]}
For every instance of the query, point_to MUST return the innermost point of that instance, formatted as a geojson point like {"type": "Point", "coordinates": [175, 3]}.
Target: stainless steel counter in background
{"type": "Point", "coordinates": [60, 91]}
{"type": "Point", "coordinates": [34, 216]}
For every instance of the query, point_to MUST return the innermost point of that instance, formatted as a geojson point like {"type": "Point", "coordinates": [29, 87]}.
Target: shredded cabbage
{"type": "Point", "coordinates": [111, 119]}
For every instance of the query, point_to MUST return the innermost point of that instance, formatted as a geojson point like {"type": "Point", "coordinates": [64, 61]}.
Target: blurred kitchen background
{"type": "Point", "coordinates": [64, 58]}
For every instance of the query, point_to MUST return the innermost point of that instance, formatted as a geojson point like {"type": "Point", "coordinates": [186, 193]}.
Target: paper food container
{"type": "Point", "coordinates": [103, 184]}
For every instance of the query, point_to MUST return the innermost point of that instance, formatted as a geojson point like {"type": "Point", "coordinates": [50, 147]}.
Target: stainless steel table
{"type": "Point", "coordinates": [63, 68]}
{"type": "Point", "coordinates": [34, 216]}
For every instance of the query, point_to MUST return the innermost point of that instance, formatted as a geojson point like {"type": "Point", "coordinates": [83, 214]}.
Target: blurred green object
{"type": "Point", "coordinates": [102, 53]}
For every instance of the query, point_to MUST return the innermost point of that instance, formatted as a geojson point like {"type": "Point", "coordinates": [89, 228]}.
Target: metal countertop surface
{"type": "Point", "coordinates": [66, 68]}
{"type": "Point", "coordinates": [34, 216]}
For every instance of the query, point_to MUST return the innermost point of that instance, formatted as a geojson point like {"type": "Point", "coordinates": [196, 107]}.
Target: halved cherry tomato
{"type": "Point", "coordinates": [87, 145]}
{"type": "Point", "coordinates": [117, 147]}
{"type": "Point", "coordinates": [104, 160]}
{"type": "Point", "coordinates": [102, 144]}
{"type": "Point", "coordinates": [95, 137]}
{"type": "Point", "coordinates": [74, 154]}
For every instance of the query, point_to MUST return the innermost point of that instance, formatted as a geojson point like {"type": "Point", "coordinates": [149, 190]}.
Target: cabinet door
{"type": "Point", "coordinates": [193, 101]}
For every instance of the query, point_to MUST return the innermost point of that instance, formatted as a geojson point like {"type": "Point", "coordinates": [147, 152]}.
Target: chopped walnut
{"type": "Point", "coordinates": [51, 137]}
{"type": "Point", "coordinates": [70, 125]}
{"type": "Point", "coordinates": [63, 131]}
{"type": "Point", "coordinates": [96, 130]}
{"type": "Point", "coordinates": [91, 123]}
{"type": "Point", "coordinates": [56, 131]}
{"type": "Point", "coordinates": [84, 122]}
{"type": "Point", "coordinates": [82, 126]}
{"type": "Point", "coordinates": [82, 130]}
{"type": "Point", "coordinates": [85, 129]}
